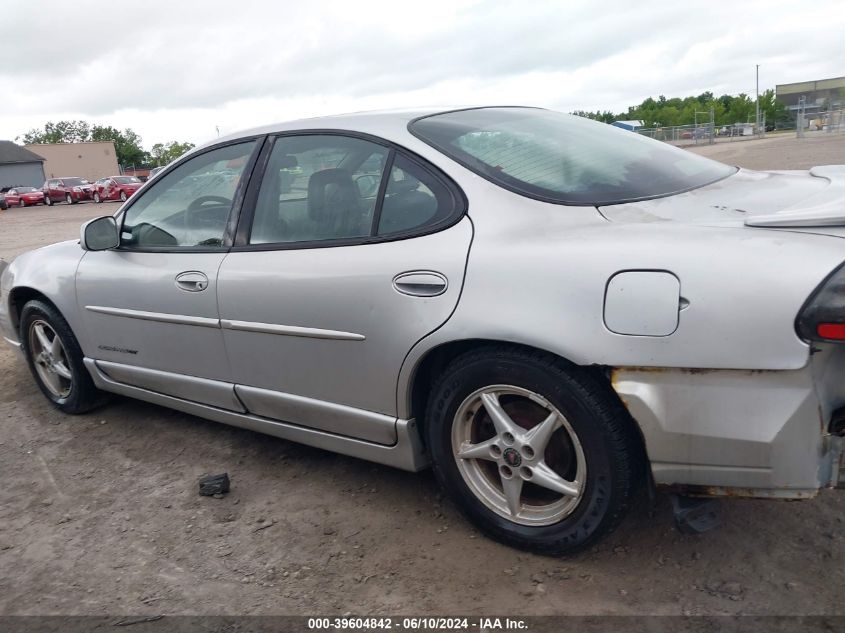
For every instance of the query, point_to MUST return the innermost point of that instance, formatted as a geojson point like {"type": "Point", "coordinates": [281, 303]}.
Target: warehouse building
{"type": "Point", "coordinates": [19, 167]}
{"type": "Point", "coordinates": [91, 160]}
{"type": "Point", "coordinates": [820, 94]}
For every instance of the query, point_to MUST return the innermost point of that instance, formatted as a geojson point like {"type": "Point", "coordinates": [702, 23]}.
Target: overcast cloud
{"type": "Point", "coordinates": [177, 70]}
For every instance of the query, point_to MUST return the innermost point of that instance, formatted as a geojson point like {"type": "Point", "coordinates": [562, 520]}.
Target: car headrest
{"type": "Point", "coordinates": [331, 188]}
{"type": "Point", "coordinates": [288, 161]}
{"type": "Point", "coordinates": [408, 183]}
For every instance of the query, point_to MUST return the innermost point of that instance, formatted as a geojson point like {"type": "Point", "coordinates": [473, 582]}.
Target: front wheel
{"type": "Point", "coordinates": [55, 358]}
{"type": "Point", "coordinates": [68, 199]}
{"type": "Point", "coordinates": [48, 201]}
{"type": "Point", "coordinates": [539, 454]}
{"type": "Point", "coordinates": [123, 196]}
{"type": "Point", "coordinates": [21, 203]}
{"type": "Point", "coordinates": [97, 198]}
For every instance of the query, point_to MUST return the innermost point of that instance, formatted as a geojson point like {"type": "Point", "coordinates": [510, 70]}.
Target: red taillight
{"type": "Point", "coordinates": [822, 317]}
{"type": "Point", "coordinates": [834, 331]}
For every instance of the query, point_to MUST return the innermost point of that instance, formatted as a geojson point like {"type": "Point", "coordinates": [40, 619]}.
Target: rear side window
{"type": "Point", "coordinates": [565, 159]}
{"type": "Point", "coordinates": [319, 188]}
{"type": "Point", "coordinates": [413, 199]}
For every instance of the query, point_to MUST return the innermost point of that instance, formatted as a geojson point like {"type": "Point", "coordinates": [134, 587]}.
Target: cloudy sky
{"type": "Point", "coordinates": [180, 69]}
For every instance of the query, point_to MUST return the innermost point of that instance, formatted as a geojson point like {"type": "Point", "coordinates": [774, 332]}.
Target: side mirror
{"type": "Point", "coordinates": [100, 234]}
{"type": "Point", "coordinates": [367, 185]}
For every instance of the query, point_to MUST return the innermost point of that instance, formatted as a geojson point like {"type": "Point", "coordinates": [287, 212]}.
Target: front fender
{"type": "Point", "coordinates": [48, 271]}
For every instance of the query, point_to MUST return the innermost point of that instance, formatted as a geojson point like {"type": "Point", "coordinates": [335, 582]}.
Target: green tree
{"type": "Point", "coordinates": [61, 132]}
{"type": "Point", "coordinates": [163, 153]}
{"type": "Point", "coordinates": [127, 144]}
{"type": "Point", "coordinates": [776, 113]}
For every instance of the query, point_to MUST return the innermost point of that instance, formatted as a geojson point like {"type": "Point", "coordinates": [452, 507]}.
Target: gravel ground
{"type": "Point", "coordinates": [99, 514]}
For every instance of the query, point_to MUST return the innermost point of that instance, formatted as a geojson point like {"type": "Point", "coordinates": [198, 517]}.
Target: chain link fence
{"type": "Point", "coordinates": [816, 123]}
{"type": "Point", "coordinates": [704, 133]}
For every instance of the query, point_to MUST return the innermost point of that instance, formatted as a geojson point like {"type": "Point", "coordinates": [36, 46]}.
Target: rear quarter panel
{"type": "Point", "coordinates": [537, 275]}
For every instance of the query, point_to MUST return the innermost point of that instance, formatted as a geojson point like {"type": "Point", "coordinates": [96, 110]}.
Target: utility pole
{"type": "Point", "coordinates": [757, 117]}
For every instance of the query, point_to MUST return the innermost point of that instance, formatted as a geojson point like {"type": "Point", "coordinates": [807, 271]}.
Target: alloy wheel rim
{"type": "Point", "coordinates": [50, 359]}
{"type": "Point", "coordinates": [519, 455]}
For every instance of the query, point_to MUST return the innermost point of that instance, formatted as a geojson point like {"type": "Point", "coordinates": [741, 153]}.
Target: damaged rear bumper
{"type": "Point", "coordinates": [741, 433]}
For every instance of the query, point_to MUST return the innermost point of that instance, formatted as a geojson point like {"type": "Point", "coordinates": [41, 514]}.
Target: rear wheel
{"type": "Point", "coordinates": [55, 358]}
{"type": "Point", "coordinates": [539, 454]}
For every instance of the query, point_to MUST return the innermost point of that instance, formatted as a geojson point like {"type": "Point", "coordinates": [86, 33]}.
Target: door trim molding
{"type": "Point", "coordinates": [161, 317]}
{"type": "Point", "coordinates": [289, 330]}
{"type": "Point", "coordinates": [228, 324]}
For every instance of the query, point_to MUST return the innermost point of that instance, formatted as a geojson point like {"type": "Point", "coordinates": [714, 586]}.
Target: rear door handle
{"type": "Point", "coordinates": [420, 283]}
{"type": "Point", "coordinates": [192, 281]}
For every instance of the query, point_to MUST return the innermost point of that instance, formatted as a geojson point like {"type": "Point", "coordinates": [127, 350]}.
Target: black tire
{"type": "Point", "coordinates": [607, 435]}
{"type": "Point", "coordinates": [48, 201]}
{"type": "Point", "coordinates": [97, 198]}
{"type": "Point", "coordinates": [83, 395]}
{"type": "Point", "coordinates": [123, 196]}
{"type": "Point", "coordinates": [69, 199]}
{"type": "Point", "coordinates": [21, 203]}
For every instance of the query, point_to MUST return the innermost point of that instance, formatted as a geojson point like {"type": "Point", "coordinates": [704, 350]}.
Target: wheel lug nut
{"type": "Point", "coordinates": [526, 473]}
{"type": "Point", "coordinates": [508, 438]}
{"type": "Point", "coordinates": [507, 473]}
{"type": "Point", "coordinates": [527, 452]}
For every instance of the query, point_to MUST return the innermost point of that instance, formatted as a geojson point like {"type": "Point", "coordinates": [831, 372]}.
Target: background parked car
{"type": "Point", "coordinates": [115, 188]}
{"type": "Point", "coordinates": [71, 190]}
{"type": "Point", "coordinates": [24, 196]}
{"type": "Point", "coordinates": [3, 204]}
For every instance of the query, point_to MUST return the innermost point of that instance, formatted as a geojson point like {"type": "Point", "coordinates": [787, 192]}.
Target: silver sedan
{"type": "Point", "coordinates": [549, 311]}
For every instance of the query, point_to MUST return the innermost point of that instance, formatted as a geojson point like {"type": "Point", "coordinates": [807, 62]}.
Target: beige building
{"type": "Point", "coordinates": [92, 160]}
{"type": "Point", "coordinates": [827, 93]}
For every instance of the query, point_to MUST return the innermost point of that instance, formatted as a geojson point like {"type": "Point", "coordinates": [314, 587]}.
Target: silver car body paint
{"type": "Point", "coordinates": [319, 346]}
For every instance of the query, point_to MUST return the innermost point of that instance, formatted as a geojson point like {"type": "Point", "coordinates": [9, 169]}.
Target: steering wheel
{"type": "Point", "coordinates": [196, 204]}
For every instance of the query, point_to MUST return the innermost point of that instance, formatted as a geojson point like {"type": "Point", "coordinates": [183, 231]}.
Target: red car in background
{"type": "Point", "coordinates": [71, 190]}
{"type": "Point", "coordinates": [116, 188]}
{"type": "Point", "coordinates": [24, 196]}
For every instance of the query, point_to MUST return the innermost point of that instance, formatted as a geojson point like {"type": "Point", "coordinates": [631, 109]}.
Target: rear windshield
{"type": "Point", "coordinates": [565, 159]}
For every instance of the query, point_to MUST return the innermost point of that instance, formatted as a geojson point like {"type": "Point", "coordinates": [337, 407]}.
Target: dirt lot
{"type": "Point", "coordinates": [99, 514]}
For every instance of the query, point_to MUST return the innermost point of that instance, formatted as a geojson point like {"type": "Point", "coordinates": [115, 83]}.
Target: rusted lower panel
{"type": "Point", "coordinates": [746, 493]}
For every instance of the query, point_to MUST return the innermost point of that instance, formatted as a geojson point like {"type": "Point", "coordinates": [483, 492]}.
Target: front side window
{"type": "Point", "coordinates": [190, 206]}
{"type": "Point", "coordinates": [565, 159]}
{"type": "Point", "coordinates": [318, 188]}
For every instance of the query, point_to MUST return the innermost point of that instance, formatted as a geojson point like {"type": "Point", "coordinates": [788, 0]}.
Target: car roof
{"type": "Point", "coordinates": [384, 123]}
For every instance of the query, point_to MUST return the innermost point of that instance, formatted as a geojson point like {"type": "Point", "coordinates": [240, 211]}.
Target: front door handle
{"type": "Point", "coordinates": [192, 281]}
{"type": "Point", "coordinates": [421, 283]}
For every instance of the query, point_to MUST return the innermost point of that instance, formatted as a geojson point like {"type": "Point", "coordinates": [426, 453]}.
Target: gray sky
{"type": "Point", "coordinates": [176, 69]}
